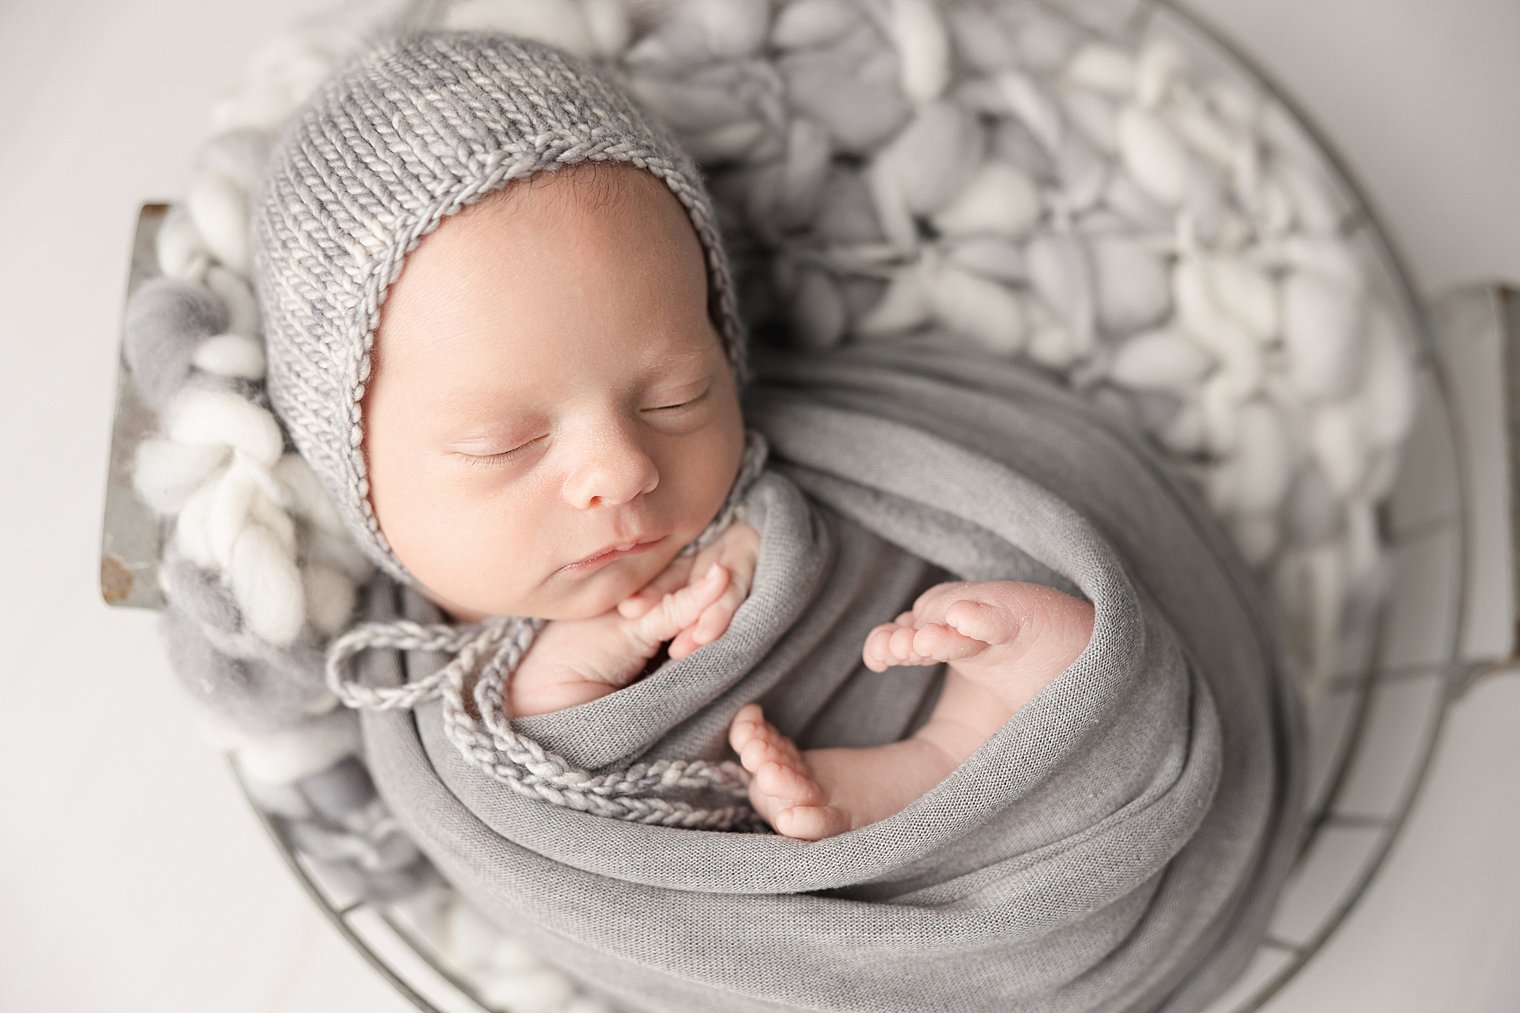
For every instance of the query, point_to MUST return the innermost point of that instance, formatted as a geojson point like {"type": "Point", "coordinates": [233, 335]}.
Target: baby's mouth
{"type": "Point", "coordinates": [612, 552]}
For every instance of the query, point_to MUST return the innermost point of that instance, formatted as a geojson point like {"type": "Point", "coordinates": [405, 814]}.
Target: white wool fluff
{"type": "Point", "coordinates": [733, 29]}
{"type": "Point", "coordinates": [1030, 103]}
{"type": "Point", "coordinates": [891, 205]}
{"type": "Point", "coordinates": [997, 198]}
{"type": "Point", "coordinates": [693, 109]}
{"type": "Point", "coordinates": [976, 307]}
{"type": "Point", "coordinates": [1131, 285]}
{"type": "Point", "coordinates": [283, 757]}
{"type": "Point", "coordinates": [609, 25]}
{"type": "Point", "coordinates": [728, 142]}
{"type": "Point", "coordinates": [923, 48]}
{"type": "Point", "coordinates": [208, 417]}
{"type": "Point", "coordinates": [1245, 292]}
{"type": "Point", "coordinates": [1197, 313]}
{"type": "Point", "coordinates": [1322, 328]}
{"type": "Point", "coordinates": [808, 24]}
{"type": "Point", "coordinates": [798, 178]}
{"type": "Point", "coordinates": [234, 510]}
{"type": "Point", "coordinates": [166, 472]}
{"type": "Point", "coordinates": [263, 574]}
{"type": "Point", "coordinates": [996, 257]}
{"type": "Point", "coordinates": [182, 253]}
{"type": "Point", "coordinates": [1095, 116]}
{"type": "Point", "coordinates": [1159, 360]}
{"type": "Point", "coordinates": [1152, 152]}
{"type": "Point", "coordinates": [330, 599]}
{"type": "Point", "coordinates": [1161, 63]}
{"type": "Point", "coordinates": [220, 212]}
{"type": "Point", "coordinates": [191, 536]}
{"type": "Point", "coordinates": [704, 31]}
{"type": "Point", "coordinates": [934, 157]}
{"type": "Point", "coordinates": [1220, 417]}
{"type": "Point", "coordinates": [555, 22]}
{"type": "Point", "coordinates": [1045, 39]}
{"type": "Point", "coordinates": [237, 154]}
{"type": "Point", "coordinates": [231, 355]}
{"type": "Point", "coordinates": [1102, 68]}
{"type": "Point", "coordinates": [1059, 272]}
{"type": "Point", "coordinates": [903, 306]}
{"type": "Point", "coordinates": [1204, 133]}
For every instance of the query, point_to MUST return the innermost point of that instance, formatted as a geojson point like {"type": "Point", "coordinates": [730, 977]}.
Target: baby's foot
{"type": "Point", "coordinates": [816, 793]}
{"type": "Point", "coordinates": [782, 787]}
{"type": "Point", "coordinates": [1010, 637]}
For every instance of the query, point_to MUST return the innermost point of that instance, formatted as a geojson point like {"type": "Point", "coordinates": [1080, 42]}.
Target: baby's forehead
{"type": "Point", "coordinates": [589, 188]}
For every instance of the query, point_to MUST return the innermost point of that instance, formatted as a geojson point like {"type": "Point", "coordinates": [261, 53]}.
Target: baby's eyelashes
{"type": "Point", "coordinates": [486, 452]}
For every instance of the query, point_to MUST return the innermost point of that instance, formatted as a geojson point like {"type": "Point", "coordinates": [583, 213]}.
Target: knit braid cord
{"type": "Point", "coordinates": [490, 652]}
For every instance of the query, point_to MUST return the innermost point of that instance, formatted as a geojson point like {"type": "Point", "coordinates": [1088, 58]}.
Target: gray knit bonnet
{"type": "Point", "coordinates": [402, 137]}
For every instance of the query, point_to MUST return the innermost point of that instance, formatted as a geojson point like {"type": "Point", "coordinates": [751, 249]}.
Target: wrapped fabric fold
{"type": "Point", "coordinates": [1116, 845]}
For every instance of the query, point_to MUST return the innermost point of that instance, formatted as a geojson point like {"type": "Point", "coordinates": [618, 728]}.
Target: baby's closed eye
{"type": "Point", "coordinates": [487, 458]}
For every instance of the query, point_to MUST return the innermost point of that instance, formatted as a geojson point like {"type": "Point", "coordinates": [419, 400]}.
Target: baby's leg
{"type": "Point", "coordinates": [1003, 642]}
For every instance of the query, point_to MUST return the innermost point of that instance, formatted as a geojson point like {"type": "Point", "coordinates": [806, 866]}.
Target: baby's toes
{"type": "Point", "coordinates": [927, 644]}
{"type": "Point", "coordinates": [810, 822]}
{"type": "Point", "coordinates": [786, 785]}
{"type": "Point", "coordinates": [748, 725]}
{"type": "Point", "coordinates": [758, 742]}
{"type": "Point", "coordinates": [987, 623]}
{"type": "Point", "coordinates": [939, 642]}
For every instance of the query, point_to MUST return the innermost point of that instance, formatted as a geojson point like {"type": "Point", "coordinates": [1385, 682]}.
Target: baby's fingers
{"type": "Point", "coordinates": [672, 578]}
{"type": "Point", "coordinates": [713, 622]}
{"type": "Point", "coordinates": [679, 609]}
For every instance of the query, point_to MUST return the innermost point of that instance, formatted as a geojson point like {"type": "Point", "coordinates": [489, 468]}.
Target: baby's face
{"type": "Point", "coordinates": [547, 384]}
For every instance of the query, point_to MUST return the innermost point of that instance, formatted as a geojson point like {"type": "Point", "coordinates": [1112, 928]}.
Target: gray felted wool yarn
{"type": "Point", "coordinates": [340, 789]}
{"type": "Point", "coordinates": [250, 695]}
{"type": "Point", "coordinates": [200, 595]}
{"type": "Point", "coordinates": [405, 135]}
{"type": "Point", "coordinates": [165, 321]}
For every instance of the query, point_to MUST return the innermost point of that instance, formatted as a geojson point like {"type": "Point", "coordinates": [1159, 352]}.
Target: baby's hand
{"type": "Point", "coordinates": [574, 661]}
{"type": "Point", "coordinates": [736, 551]}
{"type": "Point", "coordinates": [977, 627]}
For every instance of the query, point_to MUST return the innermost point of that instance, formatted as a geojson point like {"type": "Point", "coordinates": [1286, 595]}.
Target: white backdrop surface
{"type": "Point", "coordinates": [133, 876]}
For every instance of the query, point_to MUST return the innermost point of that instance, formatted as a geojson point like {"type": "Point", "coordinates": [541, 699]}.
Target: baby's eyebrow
{"type": "Point", "coordinates": [689, 362]}
{"type": "Point", "coordinates": [465, 420]}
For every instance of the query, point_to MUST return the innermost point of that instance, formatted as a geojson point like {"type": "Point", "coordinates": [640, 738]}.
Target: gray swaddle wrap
{"type": "Point", "coordinates": [1115, 846]}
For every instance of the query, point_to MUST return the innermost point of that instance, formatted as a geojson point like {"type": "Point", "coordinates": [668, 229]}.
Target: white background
{"type": "Point", "coordinates": [133, 878]}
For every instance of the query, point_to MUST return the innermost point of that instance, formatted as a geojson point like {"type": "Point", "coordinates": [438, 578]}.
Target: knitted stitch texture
{"type": "Point", "coordinates": [406, 135]}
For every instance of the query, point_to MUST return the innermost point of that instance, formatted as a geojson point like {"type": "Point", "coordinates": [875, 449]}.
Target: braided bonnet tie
{"type": "Point", "coordinates": [491, 650]}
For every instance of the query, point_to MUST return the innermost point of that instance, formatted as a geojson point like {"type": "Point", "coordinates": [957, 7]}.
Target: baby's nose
{"type": "Point", "coordinates": [612, 469]}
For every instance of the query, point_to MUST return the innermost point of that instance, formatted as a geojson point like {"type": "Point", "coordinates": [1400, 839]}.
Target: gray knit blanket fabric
{"type": "Point", "coordinates": [1115, 846]}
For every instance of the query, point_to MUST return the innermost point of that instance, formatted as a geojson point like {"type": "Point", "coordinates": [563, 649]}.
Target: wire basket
{"type": "Point", "coordinates": [1401, 655]}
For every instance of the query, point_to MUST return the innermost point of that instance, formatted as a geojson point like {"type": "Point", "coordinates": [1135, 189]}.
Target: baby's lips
{"type": "Point", "coordinates": [615, 551]}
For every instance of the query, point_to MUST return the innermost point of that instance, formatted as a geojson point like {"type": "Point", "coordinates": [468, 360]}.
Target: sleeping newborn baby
{"type": "Point", "coordinates": [528, 404]}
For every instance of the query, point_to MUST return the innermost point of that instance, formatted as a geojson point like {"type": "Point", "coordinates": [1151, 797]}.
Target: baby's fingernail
{"type": "Point", "coordinates": [712, 573]}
